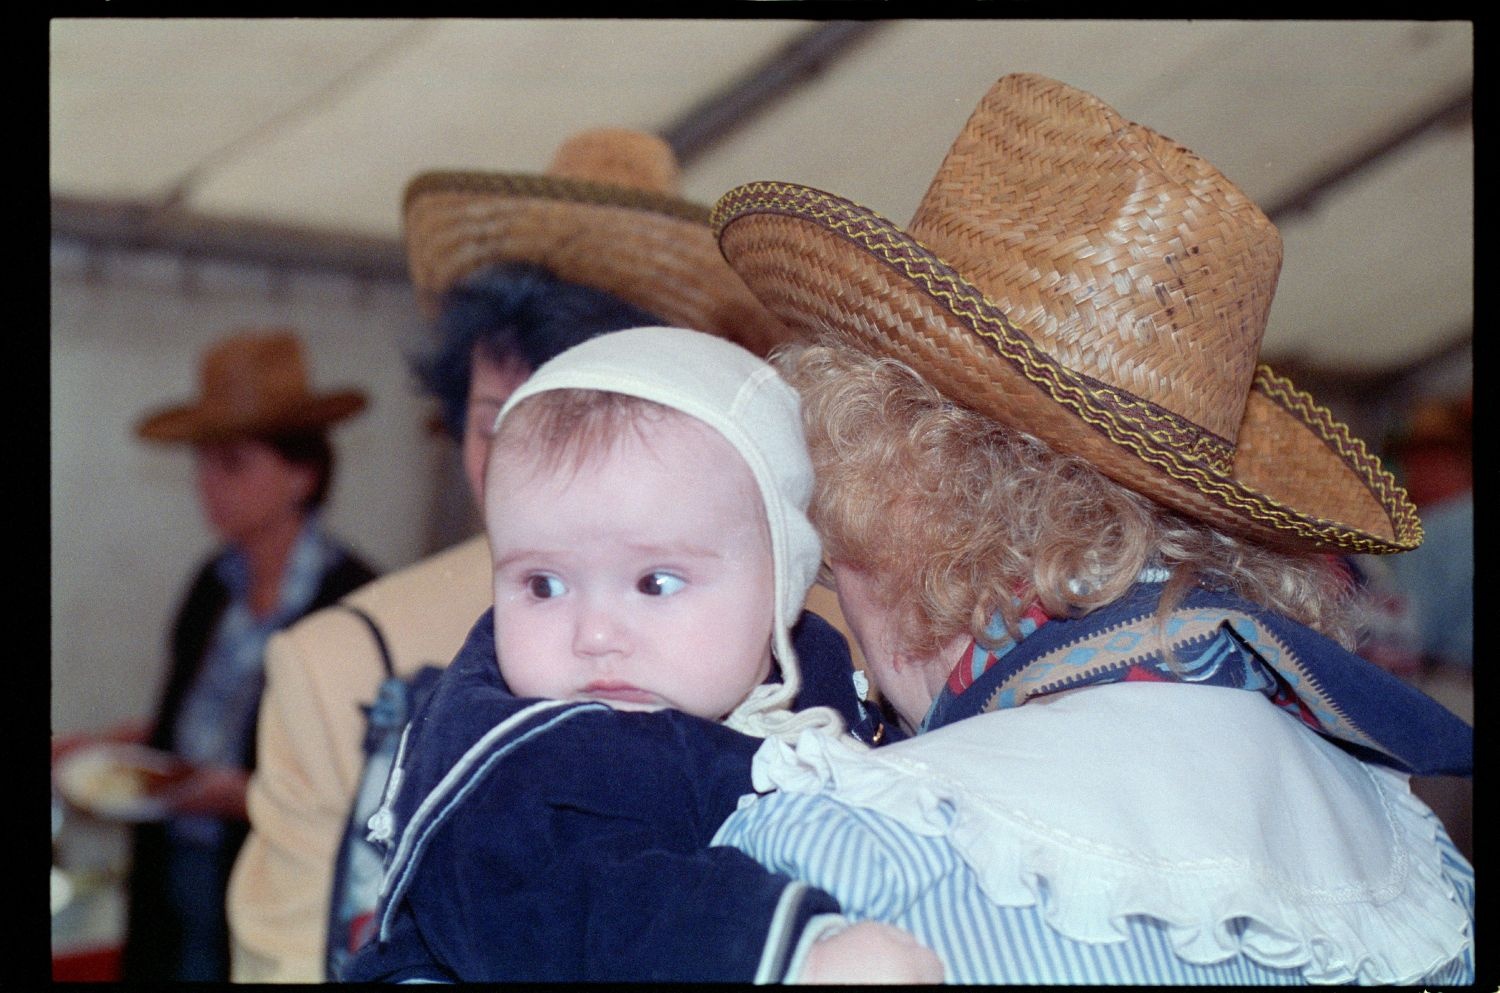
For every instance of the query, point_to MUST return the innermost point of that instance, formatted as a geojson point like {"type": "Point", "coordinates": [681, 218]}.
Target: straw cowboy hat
{"type": "Point", "coordinates": [1095, 284]}
{"type": "Point", "coordinates": [252, 383]}
{"type": "Point", "coordinates": [605, 214]}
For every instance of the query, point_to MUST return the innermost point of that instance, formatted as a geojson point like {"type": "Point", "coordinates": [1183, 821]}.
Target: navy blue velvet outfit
{"type": "Point", "coordinates": [556, 841]}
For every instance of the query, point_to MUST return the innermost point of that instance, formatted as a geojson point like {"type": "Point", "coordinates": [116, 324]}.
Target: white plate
{"type": "Point", "coordinates": [118, 782]}
{"type": "Point", "coordinates": [62, 890]}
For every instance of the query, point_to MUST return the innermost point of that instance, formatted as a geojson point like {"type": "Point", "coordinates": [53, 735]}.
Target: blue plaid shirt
{"type": "Point", "coordinates": [219, 711]}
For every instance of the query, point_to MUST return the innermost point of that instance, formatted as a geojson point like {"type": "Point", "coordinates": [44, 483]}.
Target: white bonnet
{"type": "Point", "coordinates": [744, 399]}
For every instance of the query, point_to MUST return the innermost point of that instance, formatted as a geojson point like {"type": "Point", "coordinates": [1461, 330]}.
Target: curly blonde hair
{"type": "Point", "coordinates": [958, 518]}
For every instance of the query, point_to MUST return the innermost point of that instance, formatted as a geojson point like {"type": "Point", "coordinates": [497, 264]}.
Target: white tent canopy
{"type": "Point", "coordinates": [1355, 135]}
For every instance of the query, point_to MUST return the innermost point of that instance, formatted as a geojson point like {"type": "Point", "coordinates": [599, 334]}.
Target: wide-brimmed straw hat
{"type": "Point", "coordinates": [252, 383]}
{"type": "Point", "coordinates": [605, 214]}
{"type": "Point", "coordinates": [1095, 284]}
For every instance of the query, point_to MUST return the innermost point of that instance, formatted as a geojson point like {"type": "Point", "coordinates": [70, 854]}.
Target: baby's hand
{"type": "Point", "coordinates": [871, 952]}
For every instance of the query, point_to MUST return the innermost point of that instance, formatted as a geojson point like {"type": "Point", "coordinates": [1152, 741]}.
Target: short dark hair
{"type": "Point", "coordinates": [307, 448]}
{"type": "Point", "coordinates": [514, 311]}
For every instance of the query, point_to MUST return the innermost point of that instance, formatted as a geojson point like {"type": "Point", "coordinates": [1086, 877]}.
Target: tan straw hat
{"type": "Point", "coordinates": [1092, 282]}
{"type": "Point", "coordinates": [606, 214]}
{"type": "Point", "coordinates": [252, 383]}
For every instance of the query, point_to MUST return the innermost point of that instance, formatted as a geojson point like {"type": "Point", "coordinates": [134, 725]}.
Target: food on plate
{"type": "Point", "coordinates": [126, 781]}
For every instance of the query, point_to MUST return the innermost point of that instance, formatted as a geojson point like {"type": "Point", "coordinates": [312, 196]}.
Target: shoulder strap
{"type": "Point", "coordinates": [385, 655]}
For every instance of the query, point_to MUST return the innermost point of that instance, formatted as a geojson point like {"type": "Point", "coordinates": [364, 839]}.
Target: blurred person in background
{"type": "Point", "coordinates": [1422, 624]}
{"type": "Point", "coordinates": [1434, 457]}
{"type": "Point", "coordinates": [512, 269]}
{"type": "Point", "coordinates": [264, 465]}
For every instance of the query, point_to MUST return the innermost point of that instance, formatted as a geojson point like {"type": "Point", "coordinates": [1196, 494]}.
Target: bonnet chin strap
{"type": "Point", "coordinates": [767, 712]}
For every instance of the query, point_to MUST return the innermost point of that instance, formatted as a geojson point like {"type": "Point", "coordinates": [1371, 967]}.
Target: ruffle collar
{"type": "Point", "coordinates": [1204, 807]}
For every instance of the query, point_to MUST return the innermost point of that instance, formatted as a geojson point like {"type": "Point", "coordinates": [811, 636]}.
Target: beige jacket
{"type": "Point", "coordinates": [318, 673]}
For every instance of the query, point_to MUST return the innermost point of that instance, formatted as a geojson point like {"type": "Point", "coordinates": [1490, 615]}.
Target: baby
{"type": "Point", "coordinates": [550, 814]}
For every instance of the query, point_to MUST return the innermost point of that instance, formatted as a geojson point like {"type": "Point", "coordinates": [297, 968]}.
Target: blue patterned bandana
{"type": "Point", "coordinates": [1217, 639]}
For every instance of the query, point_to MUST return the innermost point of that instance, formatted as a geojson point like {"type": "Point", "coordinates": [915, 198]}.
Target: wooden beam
{"type": "Point", "coordinates": [719, 115]}
{"type": "Point", "coordinates": [140, 226]}
{"type": "Point", "coordinates": [1453, 112]}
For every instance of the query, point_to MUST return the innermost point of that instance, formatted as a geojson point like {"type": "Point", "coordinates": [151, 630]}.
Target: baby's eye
{"type": "Point", "coordinates": [545, 587]}
{"type": "Point", "coordinates": [660, 584]}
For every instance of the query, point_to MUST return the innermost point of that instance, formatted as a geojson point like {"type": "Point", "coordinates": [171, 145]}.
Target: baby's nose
{"type": "Point", "coordinates": [600, 631]}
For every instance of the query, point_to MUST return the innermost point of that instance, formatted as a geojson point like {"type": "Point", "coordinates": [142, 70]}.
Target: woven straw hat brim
{"type": "Point", "coordinates": [200, 422]}
{"type": "Point", "coordinates": [653, 250]}
{"type": "Point", "coordinates": [1297, 479]}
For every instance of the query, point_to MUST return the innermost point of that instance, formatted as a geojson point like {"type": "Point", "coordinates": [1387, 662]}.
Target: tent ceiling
{"type": "Point", "coordinates": [317, 124]}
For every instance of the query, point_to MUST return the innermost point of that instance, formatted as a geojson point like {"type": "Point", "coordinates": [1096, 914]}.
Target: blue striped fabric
{"type": "Point", "coordinates": [1458, 871]}
{"type": "Point", "coordinates": [879, 870]}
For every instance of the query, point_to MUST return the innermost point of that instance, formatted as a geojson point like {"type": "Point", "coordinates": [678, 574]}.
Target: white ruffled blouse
{"type": "Point", "coordinates": [1236, 831]}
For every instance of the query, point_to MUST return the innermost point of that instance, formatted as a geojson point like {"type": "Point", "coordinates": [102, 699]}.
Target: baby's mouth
{"type": "Point", "coordinates": [621, 692]}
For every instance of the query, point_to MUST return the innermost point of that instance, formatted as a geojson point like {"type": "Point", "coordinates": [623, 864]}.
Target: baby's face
{"type": "Point", "coordinates": [643, 580]}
